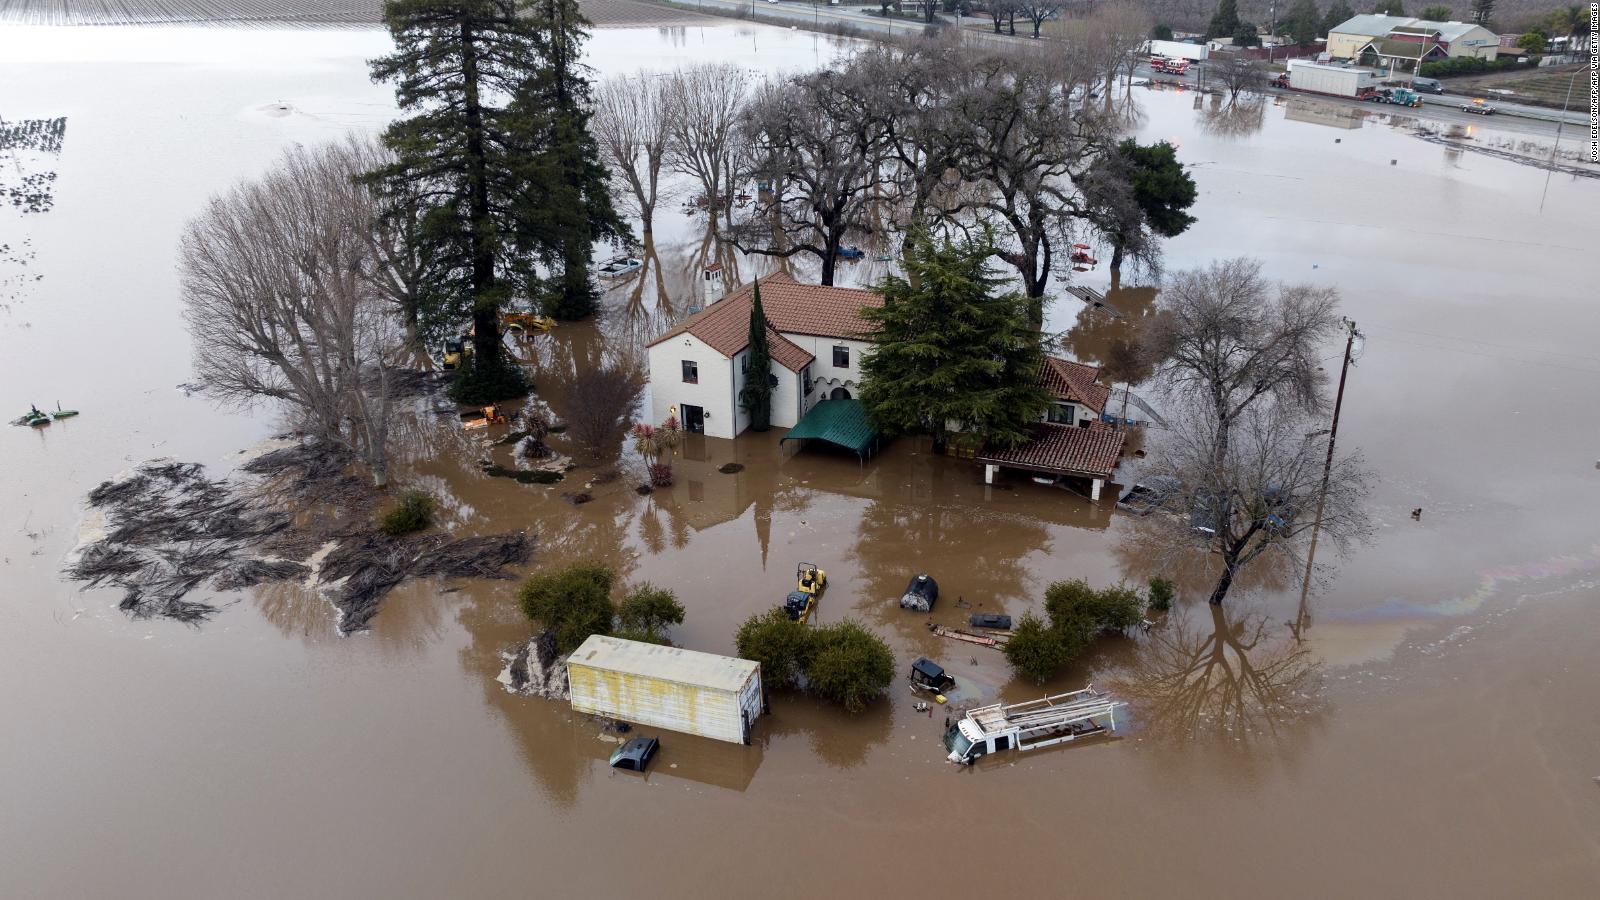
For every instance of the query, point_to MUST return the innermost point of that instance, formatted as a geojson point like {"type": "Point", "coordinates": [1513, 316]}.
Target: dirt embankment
{"type": "Point", "coordinates": [1537, 87]}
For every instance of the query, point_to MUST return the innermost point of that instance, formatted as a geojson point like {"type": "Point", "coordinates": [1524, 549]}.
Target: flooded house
{"type": "Point", "coordinates": [815, 335]}
{"type": "Point", "coordinates": [1072, 443]}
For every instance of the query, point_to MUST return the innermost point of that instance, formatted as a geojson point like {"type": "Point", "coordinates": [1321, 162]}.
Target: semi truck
{"type": "Point", "coordinates": [666, 687]}
{"type": "Point", "coordinates": [1032, 725]}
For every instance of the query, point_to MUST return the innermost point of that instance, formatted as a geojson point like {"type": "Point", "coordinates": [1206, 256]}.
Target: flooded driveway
{"type": "Point", "coordinates": [1434, 736]}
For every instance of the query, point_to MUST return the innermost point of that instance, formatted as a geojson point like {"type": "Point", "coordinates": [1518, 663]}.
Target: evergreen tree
{"type": "Point", "coordinates": [1161, 189]}
{"type": "Point", "coordinates": [1436, 13]}
{"type": "Point", "coordinates": [756, 395]}
{"type": "Point", "coordinates": [1389, 8]}
{"type": "Point", "coordinates": [571, 198]}
{"type": "Point", "coordinates": [1226, 20]}
{"type": "Point", "coordinates": [458, 149]}
{"type": "Point", "coordinates": [1303, 23]}
{"type": "Point", "coordinates": [1338, 14]}
{"type": "Point", "coordinates": [952, 349]}
{"type": "Point", "coordinates": [1482, 10]}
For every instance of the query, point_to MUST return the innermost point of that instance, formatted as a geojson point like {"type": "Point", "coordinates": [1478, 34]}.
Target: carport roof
{"type": "Point", "coordinates": [843, 423]}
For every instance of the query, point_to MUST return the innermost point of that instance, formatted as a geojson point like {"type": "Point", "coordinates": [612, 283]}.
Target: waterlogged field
{"type": "Point", "coordinates": [1431, 738]}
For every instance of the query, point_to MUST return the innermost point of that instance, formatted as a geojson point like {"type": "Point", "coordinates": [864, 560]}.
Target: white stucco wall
{"type": "Point", "coordinates": [715, 392]}
{"type": "Point", "coordinates": [824, 372]}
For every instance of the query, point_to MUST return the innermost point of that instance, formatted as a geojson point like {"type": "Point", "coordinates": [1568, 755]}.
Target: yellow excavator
{"type": "Point", "coordinates": [527, 323]}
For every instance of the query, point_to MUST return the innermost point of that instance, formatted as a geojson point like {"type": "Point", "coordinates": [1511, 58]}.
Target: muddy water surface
{"type": "Point", "coordinates": [1435, 736]}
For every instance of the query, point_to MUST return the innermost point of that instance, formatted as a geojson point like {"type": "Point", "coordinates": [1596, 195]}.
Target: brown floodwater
{"type": "Point", "coordinates": [1434, 736]}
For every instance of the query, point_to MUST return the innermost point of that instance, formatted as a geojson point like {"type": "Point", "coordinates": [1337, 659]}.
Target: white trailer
{"type": "Point", "coordinates": [1052, 720]}
{"type": "Point", "coordinates": [1179, 50]}
{"type": "Point", "coordinates": [666, 687]}
{"type": "Point", "coordinates": [1337, 81]}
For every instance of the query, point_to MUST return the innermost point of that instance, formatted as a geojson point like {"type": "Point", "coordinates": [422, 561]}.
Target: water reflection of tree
{"type": "Point", "coordinates": [896, 539]}
{"type": "Point", "coordinates": [1239, 678]}
{"type": "Point", "coordinates": [1096, 332]}
{"type": "Point", "coordinates": [1234, 119]}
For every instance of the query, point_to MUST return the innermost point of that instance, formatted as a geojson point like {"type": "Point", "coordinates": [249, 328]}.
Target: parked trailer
{"type": "Point", "coordinates": [1178, 50]}
{"type": "Point", "coordinates": [1336, 81]}
{"type": "Point", "coordinates": [666, 687]}
{"type": "Point", "coordinates": [1052, 720]}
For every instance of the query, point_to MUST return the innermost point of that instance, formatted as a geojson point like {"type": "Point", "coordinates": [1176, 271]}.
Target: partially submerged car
{"type": "Point", "coordinates": [634, 756]}
{"type": "Point", "coordinates": [1149, 495]}
{"type": "Point", "coordinates": [920, 593]}
{"type": "Point", "coordinates": [927, 675]}
{"type": "Point", "coordinates": [996, 621]}
{"type": "Point", "coordinates": [798, 605]}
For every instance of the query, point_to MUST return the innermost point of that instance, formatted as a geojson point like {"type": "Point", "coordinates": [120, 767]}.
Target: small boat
{"type": "Point", "coordinates": [850, 253]}
{"type": "Point", "coordinates": [38, 421]}
{"type": "Point", "coordinates": [63, 413]}
{"type": "Point", "coordinates": [621, 267]}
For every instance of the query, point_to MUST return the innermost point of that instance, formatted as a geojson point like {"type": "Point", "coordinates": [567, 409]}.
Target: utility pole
{"type": "Point", "coordinates": [1327, 472]}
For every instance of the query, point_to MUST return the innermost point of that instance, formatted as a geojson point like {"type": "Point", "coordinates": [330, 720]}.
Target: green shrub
{"type": "Point", "coordinates": [1035, 650]}
{"type": "Point", "coordinates": [412, 511]}
{"type": "Point", "coordinates": [1161, 594]}
{"type": "Point", "coordinates": [1468, 65]}
{"type": "Point", "coordinates": [781, 645]}
{"type": "Point", "coordinates": [472, 386]}
{"type": "Point", "coordinates": [573, 602]}
{"type": "Point", "coordinates": [648, 610]}
{"type": "Point", "coordinates": [1077, 613]}
{"type": "Point", "coordinates": [849, 665]}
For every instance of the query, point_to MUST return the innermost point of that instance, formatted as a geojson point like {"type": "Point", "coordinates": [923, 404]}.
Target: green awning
{"type": "Point", "coordinates": [839, 422]}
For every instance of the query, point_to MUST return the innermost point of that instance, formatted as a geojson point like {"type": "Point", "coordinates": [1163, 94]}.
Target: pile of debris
{"type": "Point", "coordinates": [167, 530]}
{"type": "Point", "coordinates": [536, 669]}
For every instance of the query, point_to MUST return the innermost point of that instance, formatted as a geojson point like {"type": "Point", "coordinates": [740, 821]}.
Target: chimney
{"type": "Point", "coordinates": [711, 284]}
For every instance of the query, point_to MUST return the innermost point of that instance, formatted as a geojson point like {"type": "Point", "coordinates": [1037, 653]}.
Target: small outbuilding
{"type": "Point", "coordinates": [1061, 451]}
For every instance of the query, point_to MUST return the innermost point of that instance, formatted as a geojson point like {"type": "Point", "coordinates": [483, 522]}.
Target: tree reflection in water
{"type": "Point", "coordinates": [1236, 119]}
{"type": "Point", "coordinates": [1241, 678]}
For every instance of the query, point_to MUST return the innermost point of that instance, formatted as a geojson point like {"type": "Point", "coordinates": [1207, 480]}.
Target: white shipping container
{"type": "Point", "coordinates": [1178, 50]}
{"type": "Point", "coordinates": [666, 687]}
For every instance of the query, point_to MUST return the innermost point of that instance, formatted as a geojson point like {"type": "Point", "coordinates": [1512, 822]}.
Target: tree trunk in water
{"type": "Point", "coordinates": [1223, 583]}
{"type": "Point", "coordinates": [1116, 264]}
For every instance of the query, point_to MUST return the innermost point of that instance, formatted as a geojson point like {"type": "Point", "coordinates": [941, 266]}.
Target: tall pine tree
{"type": "Point", "coordinates": [1302, 22]}
{"type": "Point", "coordinates": [756, 395]}
{"type": "Point", "coordinates": [574, 202]}
{"type": "Point", "coordinates": [1225, 22]}
{"type": "Point", "coordinates": [953, 348]}
{"type": "Point", "coordinates": [1337, 14]}
{"type": "Point", "coordinates": [459, 149]}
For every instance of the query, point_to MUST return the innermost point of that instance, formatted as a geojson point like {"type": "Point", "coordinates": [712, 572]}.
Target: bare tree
{"type": "Point", "coordinates": [603, 401]}
{"type": "Point", "coordinates": [282, 301]}
{"type": "Point", "coordinates": [1258, 497]}
{"type": "Point", "coordinates": [1112, 35]}
{"type": "Point", "coordinates": [1003, 11]}
{"type": "Point", "coordinates": [703, 105]}
{"type": "Point", "coordinates": [1021, 139]}
{"type": "Point", "coordinates": [1228, 341]}
{"type": "Point", "coordinates": [632, 125]}
{"type": "Point", "coordinates": [1240, 77]}
{"type": "Point", "coordinates": [820, 142]}
{"type": "Point", "coordinates": [402, 272]}
{"type": "Point", "coordinates": [1038, 12]}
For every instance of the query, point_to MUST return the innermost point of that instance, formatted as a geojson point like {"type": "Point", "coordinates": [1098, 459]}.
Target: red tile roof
{"type": "Point", "coordinates": [1065, 450]}
{"type": "Point", "coordinates": [784, 352]}
{"type": "Point", "coordinates": [791, 307]}
{"type": "Point", "coordinates": [1074, 382]}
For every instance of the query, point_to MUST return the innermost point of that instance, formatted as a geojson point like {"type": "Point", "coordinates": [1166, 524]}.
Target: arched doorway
{"type": "Point", "coordinates": [839, 394]}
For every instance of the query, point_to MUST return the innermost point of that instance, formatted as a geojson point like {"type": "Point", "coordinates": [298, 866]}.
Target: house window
{"type": "Point", "coordinates": [691, 372]}
{"type": "Point", "coordinates": [841, 357]}
{"type": "Point", "coordinates": [805, 380]}
{"type": "Point", "coordinates": [744, 363]}
{"type": "Point", "coordinates": [1062, 413]}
